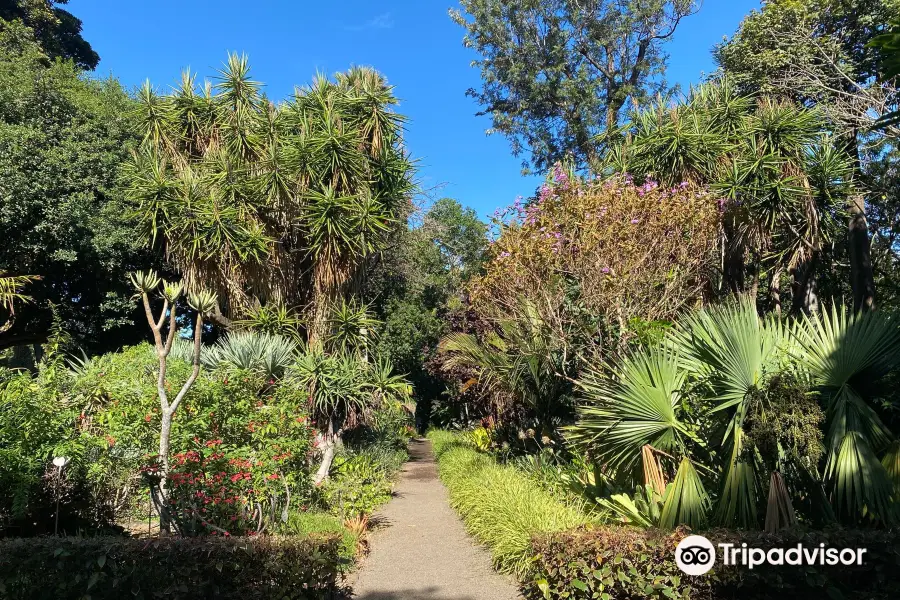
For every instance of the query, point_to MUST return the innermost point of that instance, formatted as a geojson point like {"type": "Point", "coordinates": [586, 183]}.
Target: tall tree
{"type": "Point", "coordinates": [57, 31]}
{"type": "Point", "coordinates": [817, 52]}
{"type": "Point", "coordinates": [780, 177]}
{"type": "Point", "coordinates": [63, 215]}
{"type": "Point", "coordinates": [272, 202]}
{"type": "Point", "coordinates": [557, 73]}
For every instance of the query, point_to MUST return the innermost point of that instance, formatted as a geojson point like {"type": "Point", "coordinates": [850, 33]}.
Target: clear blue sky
{"type": "Point", "coordinates": [413, 42]}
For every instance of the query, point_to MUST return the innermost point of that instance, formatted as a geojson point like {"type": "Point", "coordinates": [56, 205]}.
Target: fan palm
{"type": "Point", "coordinates": [688, 403]}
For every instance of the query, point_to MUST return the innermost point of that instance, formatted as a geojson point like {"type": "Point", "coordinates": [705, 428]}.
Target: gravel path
{"type": "Point", "coordinates": [423, 552]}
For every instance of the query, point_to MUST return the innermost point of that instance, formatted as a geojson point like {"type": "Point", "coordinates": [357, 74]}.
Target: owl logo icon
{"type": "Point", "coordinates": [695, 555]}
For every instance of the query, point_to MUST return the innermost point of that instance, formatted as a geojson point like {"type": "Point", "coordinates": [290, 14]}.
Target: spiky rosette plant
{"type": "Point", "coordinates": [280, 203]}
{"type": "Point", "coordinates": [164, 330]}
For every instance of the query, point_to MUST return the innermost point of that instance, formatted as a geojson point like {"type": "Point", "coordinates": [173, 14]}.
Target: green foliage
{"type": "Point", "coordinates": [780, 175]}
{"type": "Point", "coordinates": [358, 484]}
{"type": "Point", "coordinates": [310, 523]}
{"type": "Point", "coordinates": [57, 31]}
{"type": "Point", "coordinates": [619, 563]}
{"type": "Point", "coordinates": [500, 505]}
{"type": "Point", "coordinates": [554, 78]}
{"type": "Point", "coordinates": [265, 353]}
{"type": "Point", "coordinates": [296, 567]}
{"type": "Point", "coordinates": [283, 203]}
{"type": "Point", "coordinates": [63, 215]}
{"type": "Point", "coordinates": [738, 397]}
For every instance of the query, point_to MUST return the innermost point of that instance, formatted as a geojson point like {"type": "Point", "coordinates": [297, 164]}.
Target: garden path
{"type": "Point", "coordinates": [424, 552]}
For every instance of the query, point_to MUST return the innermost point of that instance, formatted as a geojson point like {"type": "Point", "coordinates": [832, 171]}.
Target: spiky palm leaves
{"type": "Point", "coordinates": [779, 175]}
{"type": "Point", "coordinates": [11, 287]}
{"type": "Point", "coordinates": [519, 361]}
{"type": "Point", "coordinates": [688, 404]}
{"type": "Point", "coordinates": [283, 202]}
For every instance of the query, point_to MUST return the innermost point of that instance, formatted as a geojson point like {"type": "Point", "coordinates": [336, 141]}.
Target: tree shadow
{"type": "Point", "coordinates": [426, 593]}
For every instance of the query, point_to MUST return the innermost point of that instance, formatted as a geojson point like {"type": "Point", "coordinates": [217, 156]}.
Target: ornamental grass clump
{"type": "Point", "coordinates": [500, 505]}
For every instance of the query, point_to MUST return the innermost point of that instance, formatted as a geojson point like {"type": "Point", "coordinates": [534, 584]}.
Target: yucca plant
{"type": "Point", "coordinates": [342, 391]}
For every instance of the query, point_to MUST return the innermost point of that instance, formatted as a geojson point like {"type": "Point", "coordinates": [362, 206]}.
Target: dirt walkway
{"type": "Point", "coordinates": [424, 553]}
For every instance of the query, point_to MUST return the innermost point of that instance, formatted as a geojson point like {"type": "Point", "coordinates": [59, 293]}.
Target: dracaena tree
{"type": "Point", "coordinates": [280, 203]}
{"type": "Point", "coordinates": [164, 329]}
{"type": "Point", "coordinates": [780, 178]}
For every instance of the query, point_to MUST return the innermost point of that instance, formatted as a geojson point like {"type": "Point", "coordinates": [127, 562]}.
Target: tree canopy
{"type": "Point", "coordinates": [57, 31]}
{"type": "Point", "coordinates": [557, 74]}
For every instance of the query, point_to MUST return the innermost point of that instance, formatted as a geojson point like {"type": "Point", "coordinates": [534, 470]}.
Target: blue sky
{"type": "Point", "coordinates": [413, 42]}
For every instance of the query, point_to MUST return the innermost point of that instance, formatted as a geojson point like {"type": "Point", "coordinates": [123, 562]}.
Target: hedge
{"type": "Point", "coordinates": [290, 568]}
{"type": "Point", "coordinates": [500, 506]}
{"type": "Point", "coordinates": [611, 563]}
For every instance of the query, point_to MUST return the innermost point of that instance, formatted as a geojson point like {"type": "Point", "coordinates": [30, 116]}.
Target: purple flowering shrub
{"type": "Point", "coordinates": [631, 253]}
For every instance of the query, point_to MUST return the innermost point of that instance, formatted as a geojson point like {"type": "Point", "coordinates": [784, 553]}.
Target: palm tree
{"type": "Point", "coordinates": [731, 402]}
{"type": "Point", "coordinates": [272, 203]}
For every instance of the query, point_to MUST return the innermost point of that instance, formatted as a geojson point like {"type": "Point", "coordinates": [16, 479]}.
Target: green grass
{"type": "Point", "coordinates": [500, 505]}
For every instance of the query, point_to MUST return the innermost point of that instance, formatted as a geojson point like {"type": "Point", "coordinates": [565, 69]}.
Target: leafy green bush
{"type": "Point", "coordinates": [357, 486]}
{"type": "Point", "coordinates": [316, 523]}
{"type": "Point", "coordinates": [112, 568]}
{"type": "Point", "coordinates": [502, 507]}
{"type": "Point", "coordinates": [626, 562]}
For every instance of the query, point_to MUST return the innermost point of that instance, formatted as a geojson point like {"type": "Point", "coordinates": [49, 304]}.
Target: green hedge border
{"type": "Point", "coordinates": [103, 568]}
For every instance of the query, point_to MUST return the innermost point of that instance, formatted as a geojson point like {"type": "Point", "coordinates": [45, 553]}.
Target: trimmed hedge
{"type": "Point", "coordinates": [501, 506]}
{"type": "Point", "coordinates": [611, 563]}
{"type": "Point", "coordinates": [292, 568]}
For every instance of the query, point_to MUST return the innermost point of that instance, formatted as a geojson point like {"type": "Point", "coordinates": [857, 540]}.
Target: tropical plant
{"type": "Point", "coordinates": [728, 402]}
{"type": "Point", "coordinates": [780, 178]}
{"type": "Point", "coordinates": [11, 287]}
{"type": "Point", "coordinates": [267, 354]}
{"type": "Point", "coordinates": [520, 367]}
{"type": "Point", "coordinates": [342, 390]}
{"type": "Point", "coordinates": [203, 303]}
{"type": "Point", "coordinates": [281, 203]}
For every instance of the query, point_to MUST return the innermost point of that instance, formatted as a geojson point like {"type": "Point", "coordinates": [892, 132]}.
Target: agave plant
{"type": "Point", "coordinates": [718, 420]}
{"type": "Point", "coordinates": [264, 353]}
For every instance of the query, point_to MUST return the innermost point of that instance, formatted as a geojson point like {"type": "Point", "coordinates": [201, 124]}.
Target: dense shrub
{"type": "Point", "coordinates": [625, 563]}
{"type": "Point", "coordinates": [621, 256]}
{"type": "Point", "coordinates": [114, 568]}
{"type": "Point", "coordinates": [502, 507]}
{"type": "Point", "coordinates": [239, 441]}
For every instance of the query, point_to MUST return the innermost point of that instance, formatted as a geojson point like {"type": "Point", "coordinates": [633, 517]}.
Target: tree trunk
{"type": "Point", "coordinates": [775, 291]}
{"type": "Point", "coordinates": [328, 442]}
{"type": "Point", "coordinates": [805, 300]}
{"type": "Point", "coordinates": [862, 281]}
{"type": "Point", "coordinates": [165, 431]}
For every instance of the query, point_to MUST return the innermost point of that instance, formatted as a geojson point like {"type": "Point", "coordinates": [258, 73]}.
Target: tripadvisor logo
{"type": "Point", "coordinates": [695, 555]}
